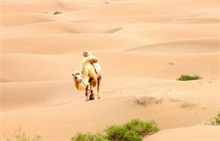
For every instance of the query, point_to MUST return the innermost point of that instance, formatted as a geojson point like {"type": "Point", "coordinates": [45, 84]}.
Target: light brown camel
{"type": "Point", "coordinates": [88, 77]}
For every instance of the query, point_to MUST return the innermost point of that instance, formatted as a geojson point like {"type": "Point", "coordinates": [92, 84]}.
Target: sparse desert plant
{"type": "Point", "coordinates": [142, 128]}
{"type": "Point", "coordinates": [145, 101]}
{"type": "Point", "coordinates": [215, 120]}
{"type": "Point", "coordinates": [132, 136]}
{"type": "Point", "coordinates": [21, 136]}
{"type": "Point", "coordinates": [57, 12]}
{"type": "Point", "coordinates": [187, 77]}
{"type": "Point", "coordinates": [88, 137]}
{"type": "Point", "coordinates": [115, 133]}
{"type": "Point", "coordinates": [131, 131]}
{"type": "Point", "coordinates": [120, 133]}
{"type": "Point", "coordinates": [134, 130]}
{"type": "Point", "coordinates": [187, 104]}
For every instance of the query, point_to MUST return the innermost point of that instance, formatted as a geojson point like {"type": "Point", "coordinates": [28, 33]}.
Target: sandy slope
{"type": "Point", "coordinates": [143, 47]}
{"type": "Point", "coordinates": [170, 66]}
{"type": "Point", "coordinates": [188, 134]}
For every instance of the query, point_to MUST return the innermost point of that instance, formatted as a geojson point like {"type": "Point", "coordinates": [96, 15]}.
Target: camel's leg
{"type": "Point", "coordinates": [87, 93]}
{"type": "Point", "coordinates": [91, 97]}
{"type": "Point", "coordinates": [98, 85]}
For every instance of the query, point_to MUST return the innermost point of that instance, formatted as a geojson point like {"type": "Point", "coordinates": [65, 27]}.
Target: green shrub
{"type": "Point", "coordinates": [186, 77]}
{"type": "Point", "coordinates": [21, 136]}
{"type": "Point", "coordinates": [115, 133]}
{"type": "Point", "coordinates": [57, 12]}
{"type": "Point", "coordinates": [131, 136]}
{"type": "Point", "coordinates": [134, 130]}
{"type": "Point", "coordinates": [215, 120]}
{"type": "Point", "coordinates": [131, 131]}
{"type": "Point", "coordinates": [142, 128]}
{"type": "Point", "coordinates": [88, 137]}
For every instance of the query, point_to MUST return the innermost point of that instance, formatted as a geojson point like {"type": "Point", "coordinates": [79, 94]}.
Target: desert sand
{"type": "Point", "coordinates": [143, 46]}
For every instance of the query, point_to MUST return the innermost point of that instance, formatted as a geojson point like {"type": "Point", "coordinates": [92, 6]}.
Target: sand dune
{"type": "Point", "coordinates": [68, 43]}
{"type": "Point", "coordinates": [190, 134]}
{"type": "Point", "coordinates": [24, 6]}
{"type": "Point", "coordinates": [65, 126]}
{"type": "Point", "coordinates": [60, 67]}
{"type": "Point", "coordinates": [61, 28]}
{"type": "Point", "coordinates": [42, 96]}
{"type": "Point", "coordinates": [200, 45]}
{"type": "Point", "coordinates": [170, 32]}
{"type": "Point", "coordinates": [204, 16]}
{"type": "Point", "coordinates": [13, 20]}
{"type": "Point", "coordinates": [143, 46]}
{"type": "Point", "coordinates": [201, 20]}
{"type": "Point", "coordinates": [19, 97]}
{"type": "Point", "coordinates": [153, 8]}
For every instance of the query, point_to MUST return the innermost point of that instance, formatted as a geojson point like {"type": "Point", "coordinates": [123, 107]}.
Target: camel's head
{"type": "Point", "coordinates": [77, 76]}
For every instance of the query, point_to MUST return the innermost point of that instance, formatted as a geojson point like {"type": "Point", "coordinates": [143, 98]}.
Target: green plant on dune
{"type": "Point", "coordinates": [88, 137]}
{"type": "Point", "coordinates": [132, 136]}
{"type": "Point", "coordinates": [142, 128]}
{"type": "Point", "coordinates": [187, 77]}
{"type": "Point", "coordinates": [215, 120]}
{"type": "Point", "coordinates": [57, 12]}
{"type": "Point", "coordinates": [134, 130]}
{"type": "Point", "coordinates": [21, 136]}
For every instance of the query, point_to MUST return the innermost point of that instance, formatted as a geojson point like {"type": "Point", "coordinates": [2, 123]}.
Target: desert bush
{"type": "Point", "coordinates": [115, 133]}
{"type": "Point", "coordinates": [21, 136]}
{"type": "Point", "coordinates": [186, 77]}
{"type": "Point", "coordinates": [88, 137]}
{"type": "Point", "coordinates": [131, 131]}
{"type": "Point", "coordinates": [142, 128]}
{"type": "Point", "coordinates": [134, 130]}
{"type": "Point", "coordinates": [57, 12]}
{"type": "Point", "coordinates": [132, 136]}
{"type": "Point", "coordinates": [215, 120]}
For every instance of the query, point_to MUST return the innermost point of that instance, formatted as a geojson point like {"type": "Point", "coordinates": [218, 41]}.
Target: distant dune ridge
{"type": "Point", "coordinates": [143, 46]}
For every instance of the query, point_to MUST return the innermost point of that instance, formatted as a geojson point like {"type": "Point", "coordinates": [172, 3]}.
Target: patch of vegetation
{"type": "Point", "coordinates": [88, 137]}
{"type": "Point", "coordinates": [186, 77]}
{"type": "Point", "coordinates": [215, 120]}
{"type": "Point", "coordinates": [131, 131]}
{"type": "Point", "coordinates": [21, 136]}
{"type": "Point", "coordinates": [57, 12]}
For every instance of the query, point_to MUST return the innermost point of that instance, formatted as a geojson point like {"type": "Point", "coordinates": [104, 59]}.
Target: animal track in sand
{"type": "Point", "coordinates": [145, 101]}
{"type": "Point", "coordinates": [187, 104]}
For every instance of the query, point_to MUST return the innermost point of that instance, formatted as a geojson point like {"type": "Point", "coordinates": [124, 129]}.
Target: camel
{"type": "Point", "coordinates": [89, 76]}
